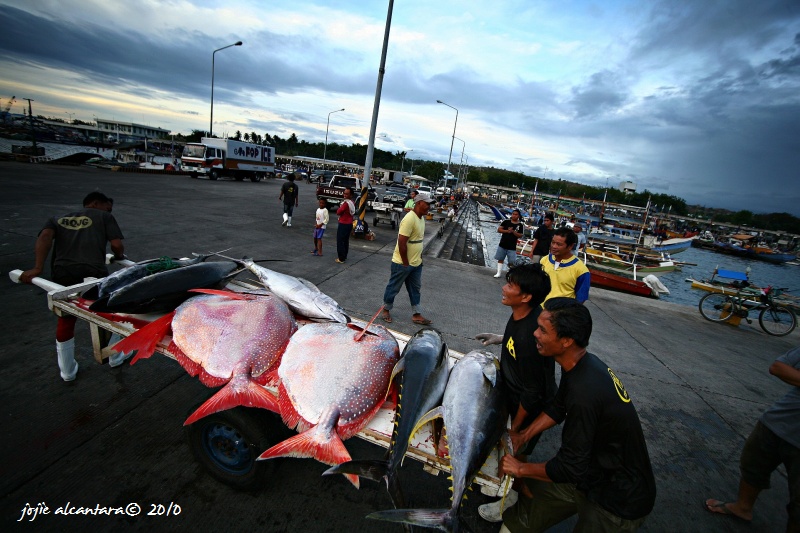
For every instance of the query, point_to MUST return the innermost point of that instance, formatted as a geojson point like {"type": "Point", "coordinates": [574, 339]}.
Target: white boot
{"type": "Point", "coordinates": [290, 222]}
{"type": "Point", "coordinates": [285, 219]}
{"type": "Point", "coordinates": [499, 270]}
{"type": "Point", "coordinates": [117, 358]}
{"type": "Point", "coordinates": [66, 359]}
{"type": "Point", "coordinates": [491, 512]}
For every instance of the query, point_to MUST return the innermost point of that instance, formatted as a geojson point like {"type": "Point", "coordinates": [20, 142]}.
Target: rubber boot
{"type": "Point", "coordinates": [499, 270]}
{"type": "Point", "coordinates": [285, 219]}
{"type": "Point", "coordinates": [290, 222]}
{"type": "Point", "coordinates": [66, 359]}
{"type": "Point", "coordinates": [117, 358]}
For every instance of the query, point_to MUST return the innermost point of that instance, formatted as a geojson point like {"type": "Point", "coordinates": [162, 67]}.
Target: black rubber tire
{"type": "Point", "coordinates": [214, 174]}
{"type": "Point", "coordinates": [716, 307]}
{"type": "Point", "coordinates": [227, 444]}
{"type": "Point", "coordinates": [193, 175]}
{"type": "Point", "coordinates": [777, 320]}
{"type": "Point", "coordinates": [255, 177]}
{"type": "Point", "coordinates": [239, 176]}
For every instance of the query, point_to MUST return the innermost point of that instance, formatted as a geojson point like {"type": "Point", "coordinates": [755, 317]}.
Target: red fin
{"type": "Point", "coordinates": [210, 381]}
{"type": "Point", "coordinates": [144, 340]}
{"type": "Point", "coordinates": [348, 430]}
{"type": "Point", "coordinates": [239, 391]}
{"type": "Point", "coordinates": [192, 368]}
{"type": "Point", "coordinates": [316, 444]}
{"type": "Point", "coordinates": [228, 294]}
{"type": "Point", "coordinates": [288, 413]}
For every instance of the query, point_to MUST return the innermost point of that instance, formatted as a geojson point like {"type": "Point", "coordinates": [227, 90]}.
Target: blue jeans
{"type": "Point", "coordinates": [412, 277]}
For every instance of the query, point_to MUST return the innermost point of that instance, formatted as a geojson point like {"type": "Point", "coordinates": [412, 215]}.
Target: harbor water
{"type": "Point", "coordinates": [701, 266]}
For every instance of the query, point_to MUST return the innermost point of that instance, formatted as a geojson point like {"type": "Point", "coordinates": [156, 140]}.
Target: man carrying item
{"type": "Point", "coordinates": [289, 196]}
{"type": "Point", "coordinates": [541, 238]}
{"type": "Point", "coordinates": [775, 440]}
{"type": "Point", "coordinates": [511, 230]}
{"type": "Point", "coordinates": [407, 260]}
{"type": "Point", "coordinates": [569, 276]}
{"type": "Point", "coordinates": [602, 471]}
{"type": "Point", "coordinates": [80, 252]}
{"type": "Point", "coordinates": [528, 377]}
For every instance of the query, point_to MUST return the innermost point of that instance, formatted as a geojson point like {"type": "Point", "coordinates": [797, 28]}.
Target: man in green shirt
{"type": "Point", "coordinates": [407, 260]}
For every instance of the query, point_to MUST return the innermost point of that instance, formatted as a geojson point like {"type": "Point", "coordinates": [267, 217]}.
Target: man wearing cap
{"type": "Point", "coordinates": [581, 244]}
{"type": "Point", "coordinates": [289, 196]}
{"type": "Point", "coordinates": [407, 260]}
{"type": "Point", "coordinates": [80, 239]}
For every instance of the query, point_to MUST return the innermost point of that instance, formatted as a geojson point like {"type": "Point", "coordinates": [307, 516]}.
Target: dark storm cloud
{"type": "Point", "coordinates": [604, 92]}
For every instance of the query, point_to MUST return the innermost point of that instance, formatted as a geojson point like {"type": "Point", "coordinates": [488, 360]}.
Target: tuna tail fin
{"type": "Point", "coordinates": [317, 443]}
{"type": "Point", "coordinates": [241, 390]}
{"type": "Point", "coordinates": [374, 470]}
{"type": "Point", "coordinates": [443, 519]}
{"type": "Point", "coordinates": [431, 415]}
{"type": "Point", "coordinates": [144, 340]}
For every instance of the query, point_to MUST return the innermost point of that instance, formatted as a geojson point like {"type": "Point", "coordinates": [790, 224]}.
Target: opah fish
{"type": "Point", "coordinates": [330, 388]}
{"type": "Point", "coordinates": [424, 367]}
{"type": "Point", "coordinates": [226, 338]}
{"type": "Point", "coordinates": [164, 291]}
{"type": "Point", "coordinates": [474, 413]}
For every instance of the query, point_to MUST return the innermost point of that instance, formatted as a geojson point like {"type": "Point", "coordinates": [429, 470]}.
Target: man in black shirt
{"type": "Point", "coordinates": [528, 377]}
{"type": "Point", "coordinates": [602, 472]}
{"type": "Point", "coordinates": [289, 196]}
{"type": "Point", "coordinates": [511, 230]}
{"type": "Point", "coordinates": [542, 237]}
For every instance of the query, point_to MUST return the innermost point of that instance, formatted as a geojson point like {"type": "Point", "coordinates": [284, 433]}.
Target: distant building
{"type": "Point", "coordinates": [128, 131]}
{"type": "Point", "coordinates": [627, 187]}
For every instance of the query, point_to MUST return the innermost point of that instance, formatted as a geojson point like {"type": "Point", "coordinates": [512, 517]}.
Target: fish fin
{"type": "Point", "coordinates": [443, 355]}
{"type": "Point", "coordinates": [308, 284]}
{"type": "Point", "coordinates": [490, 370]}
{"type": "Point", "coordinates": [192, 368]}
{"type": "Point", "coordinates": [436, 412]}
{"type": "Point", "coordinates": [144, 340]}
{"type": "Point", "coordinates": [210, 381]}
{"type": "Point", "coordinates": [398, 368]}
{"type": "Point", "coordinates": [316, 443]}
{"type": "Point", "coordinates": [374, 469]}
{"type": "Point", "coordinates": [237, 392]}
{"type": "Point", "coordinates": [289, 414]}
{"type": "Point", "coordinates": [435, 518]}
{"type": "Point", "coordinates": [221, 292]}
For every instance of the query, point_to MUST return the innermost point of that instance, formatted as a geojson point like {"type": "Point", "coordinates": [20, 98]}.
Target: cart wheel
{"type": "Point", "coordinates": [227, 444]}
{"type": "Point", "coordinates": [374, 221]}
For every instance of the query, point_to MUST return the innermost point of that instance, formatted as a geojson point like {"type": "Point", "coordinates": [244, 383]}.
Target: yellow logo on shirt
{"type": "Point", "coordinates": [75, 223]}
{"type": "Point", "coordinates": [510, 347]}
{"type": "Point", "coordinates": [620, 388]}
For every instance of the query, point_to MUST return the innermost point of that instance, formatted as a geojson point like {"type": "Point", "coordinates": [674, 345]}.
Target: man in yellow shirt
{"type": "Point", "coordinates": [407, 260]}
{"type": "Point", "coordinates": [569, 277]}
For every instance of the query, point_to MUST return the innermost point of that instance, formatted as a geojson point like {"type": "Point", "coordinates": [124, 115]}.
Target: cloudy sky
{"type": "Point", "coordinates": [695, 98]}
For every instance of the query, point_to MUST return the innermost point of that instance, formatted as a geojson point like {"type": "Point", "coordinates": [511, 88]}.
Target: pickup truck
{"type": "Point", "coordinates": [397, 195]}
{"type": "Point", "coordinates": [333, 192]}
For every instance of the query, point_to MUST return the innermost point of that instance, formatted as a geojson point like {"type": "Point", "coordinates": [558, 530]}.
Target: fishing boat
{"type": "Point", "coordinates": [613, 282]}
{"type": "Point", "coordinates": [631, 265]}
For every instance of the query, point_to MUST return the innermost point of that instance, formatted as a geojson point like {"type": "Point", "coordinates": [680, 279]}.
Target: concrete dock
{"type": "Point", "coordinates": [114, 436]}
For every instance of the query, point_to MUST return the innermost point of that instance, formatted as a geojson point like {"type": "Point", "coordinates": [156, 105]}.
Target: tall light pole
{"type": "Point", "coordinates": [454, 133]}
{"type": "Point", "coordinates": [404, 159]}
{"type": "Point", "coordinates": [461, 163]}
{"type": "Point", "coordinates": [211, 124]}
{"type": "Point", "coordinates": [325, 151]}
{"type": "Point", "coordinates": [70, 115]}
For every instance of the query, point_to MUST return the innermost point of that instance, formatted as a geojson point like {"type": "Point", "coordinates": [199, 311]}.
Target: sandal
{"type": "Point", "coordinates": [722, 508]}
{"type": "Point", "coordinates": [422, 321]}
{"type": "Point", "coordinates": [387, 317]}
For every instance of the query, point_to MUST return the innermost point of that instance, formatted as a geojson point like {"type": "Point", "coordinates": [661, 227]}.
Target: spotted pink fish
{"type": "Point", "coordinates": [330, 388]}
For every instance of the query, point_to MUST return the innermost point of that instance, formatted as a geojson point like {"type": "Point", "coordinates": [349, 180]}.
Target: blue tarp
{"type": "Point", "coordinates": [732, 274]}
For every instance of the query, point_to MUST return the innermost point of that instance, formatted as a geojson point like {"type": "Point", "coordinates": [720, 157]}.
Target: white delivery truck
{"type": "Point", "coordinates": [218, 158]}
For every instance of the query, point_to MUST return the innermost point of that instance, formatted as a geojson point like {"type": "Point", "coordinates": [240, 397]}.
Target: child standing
{"type": "Point", "coordinates": [319, 228]}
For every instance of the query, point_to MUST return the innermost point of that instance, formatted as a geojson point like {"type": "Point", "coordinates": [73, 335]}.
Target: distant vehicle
{"type": "Point", "coordinates": [392, 176]}
{"type": "Point", "coordinates": [322, 176]}
{"type": "Point", "coordinates": [218, 158]}
{"type": "Point", "coordinates": [333, 192]}
{"type": "Point", "coordinates": [397, 195]}
{"type": "Point", "coordinates": [426, 189]}
{"type": "Point", "coordinates": [442, 191]}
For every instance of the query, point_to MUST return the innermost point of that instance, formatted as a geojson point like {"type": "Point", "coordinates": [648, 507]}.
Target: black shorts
{"type": "Point", "coordinates": [74, 274]}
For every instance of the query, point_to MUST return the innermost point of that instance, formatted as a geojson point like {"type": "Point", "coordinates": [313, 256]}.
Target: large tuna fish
{"type": "Point", "coordinates": [142, 269]}
{"type": "Point", "coordinates": [302, 296]}
{"type": "Point", "coordinates": [164, 291]}
{"type": "Point", "coordinates": [425, 369]}
{"type": "Point", "coordinates": [474, 416]}
{"type": "Point", "coordinates": [229, 339]}
{"type": "Point", "coordinates": [330, 388]}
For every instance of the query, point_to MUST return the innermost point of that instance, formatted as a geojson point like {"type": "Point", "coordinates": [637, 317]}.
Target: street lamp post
{"type": "Point", "coordinates": [211, 123]}
{"type": "Point", "coordinates": [325, 151]}
{"type": "Point", "coordinates": [454, 134]}
{"type": "Point", "coordinates": [404, 159]}
{"type": "Point", "coordinates": [461, 163]}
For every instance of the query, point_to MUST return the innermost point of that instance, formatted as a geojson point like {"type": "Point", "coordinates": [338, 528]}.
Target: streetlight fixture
{"type": "Point", "coordinates": [70, 115]}
{"type": "Point", "coordinates": [461, 163]}
{"type": "Point", "coordinates": [454, 133]}
{"type": "Point", "coordinates": [211, 124]}
{"type": "Point", "coordinates": [403, 160]}
{"type": "Point", "coordinates": [325, 151]}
